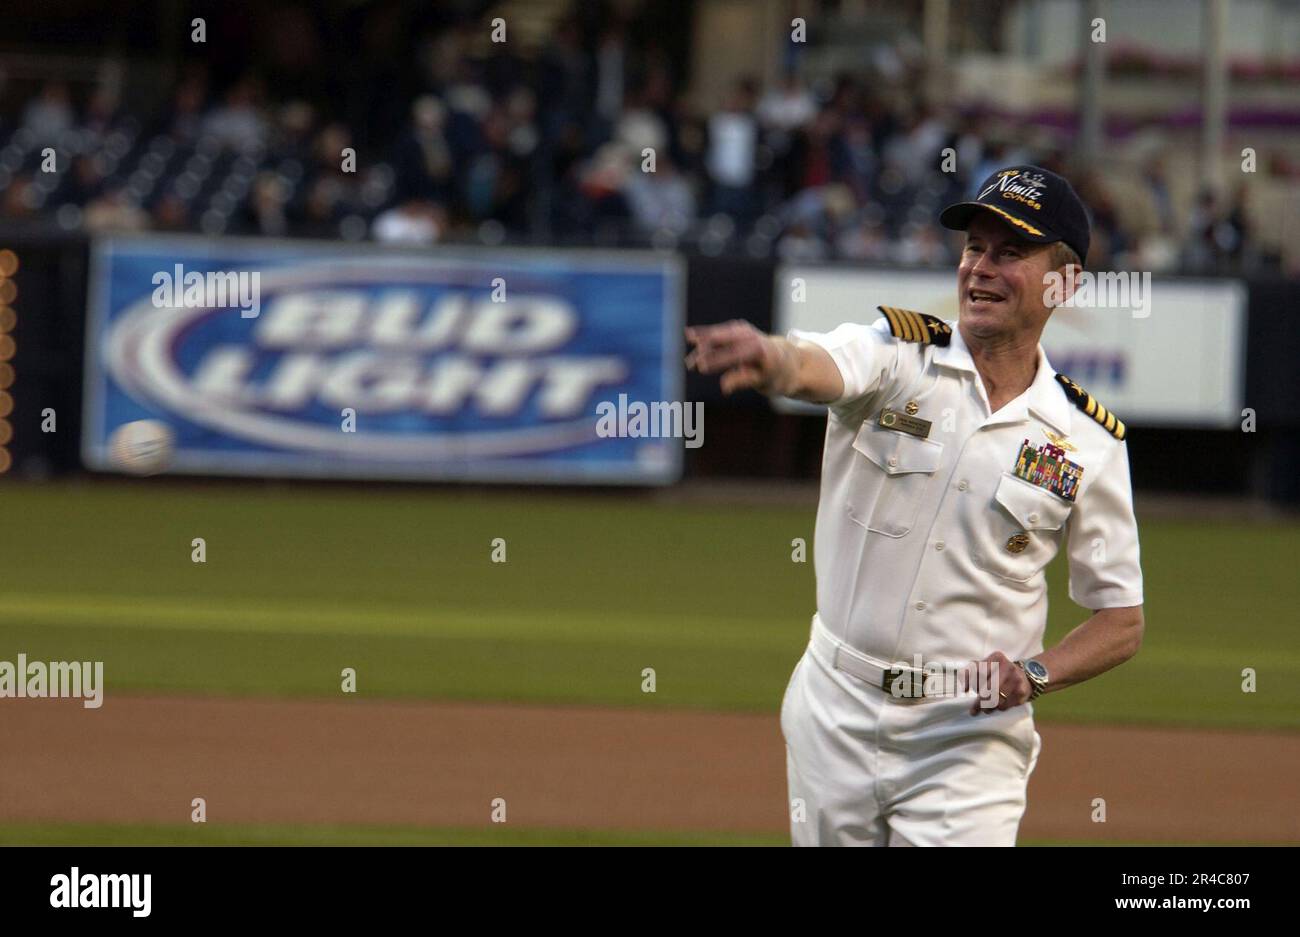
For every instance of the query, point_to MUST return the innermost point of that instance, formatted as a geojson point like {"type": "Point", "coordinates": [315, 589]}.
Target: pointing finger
{"type": "Point", "coordinates": [740, 379]}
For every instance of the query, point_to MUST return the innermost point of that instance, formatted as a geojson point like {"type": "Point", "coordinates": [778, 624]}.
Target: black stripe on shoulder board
{"type": "Point", "coordinates": [1092, 407]}
{"type": "Point", "coordinates": [917, 326]}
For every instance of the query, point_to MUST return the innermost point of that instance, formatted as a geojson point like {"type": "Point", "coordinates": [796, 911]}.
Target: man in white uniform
{"type": "Point", "coordinates": [957, 464]}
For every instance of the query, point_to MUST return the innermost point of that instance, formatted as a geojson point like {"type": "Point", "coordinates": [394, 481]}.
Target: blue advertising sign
{"type": "Point", "coordinates": [327, 360]}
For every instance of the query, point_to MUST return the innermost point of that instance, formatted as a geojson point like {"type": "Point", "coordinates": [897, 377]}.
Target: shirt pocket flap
{"type": "Point", "coordinates": [898, 453]}
{"type": "Point", "coordinates": [1031, 506]}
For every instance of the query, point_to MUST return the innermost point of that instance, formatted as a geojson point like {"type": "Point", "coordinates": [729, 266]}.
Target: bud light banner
{"type": "Point", "coordinates": [251, 357]}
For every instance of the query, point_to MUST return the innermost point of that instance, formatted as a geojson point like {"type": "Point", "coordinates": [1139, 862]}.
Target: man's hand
{"type": "Point", "coordinates": [1107, 639]}
{"type": "Point", "coordinates": [1010, 687]}
{"type": "Point", "coordinates": [749, 360]}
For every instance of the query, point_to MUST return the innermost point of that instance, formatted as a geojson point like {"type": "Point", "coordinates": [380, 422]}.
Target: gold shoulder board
{"type": "Point", "coordinates": [1091, 406]}
{"type": "Point", "coordinates": [917, 326]}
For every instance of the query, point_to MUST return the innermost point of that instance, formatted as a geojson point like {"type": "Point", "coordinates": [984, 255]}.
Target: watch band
{"type": "Point", "coordinates": [1036, 687]}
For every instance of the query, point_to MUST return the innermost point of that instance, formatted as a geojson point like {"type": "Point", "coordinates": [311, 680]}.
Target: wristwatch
{"type": "Point", "coordinates": [1037, 675]}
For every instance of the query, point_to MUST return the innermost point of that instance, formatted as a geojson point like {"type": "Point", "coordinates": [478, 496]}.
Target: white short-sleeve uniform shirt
{"type": "Point", "coordinates": [914, 550]}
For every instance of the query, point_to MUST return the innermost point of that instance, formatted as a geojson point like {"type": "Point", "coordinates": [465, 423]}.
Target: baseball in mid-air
{"type": "Point", "coordinates": [141, 447]}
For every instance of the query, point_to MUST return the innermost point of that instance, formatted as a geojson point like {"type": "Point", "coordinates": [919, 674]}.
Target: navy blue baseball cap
{"type": "Point", "coordinates": [1039, 204]}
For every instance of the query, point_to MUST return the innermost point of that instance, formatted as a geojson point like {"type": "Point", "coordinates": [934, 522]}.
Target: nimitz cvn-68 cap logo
{"type": "Point", "coordinates": [1041, 206]}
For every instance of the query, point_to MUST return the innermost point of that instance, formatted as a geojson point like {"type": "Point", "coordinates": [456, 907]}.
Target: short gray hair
{"type": "Point", "coordinates": [1063, 254]}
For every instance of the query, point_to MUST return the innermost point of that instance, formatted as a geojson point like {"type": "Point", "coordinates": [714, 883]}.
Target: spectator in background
{"type": "Point", "coordinates": [554, 148]}
{"type": "Point", "coordinates": [522, 133]}
{"type": "Point", "coordinates": [611, 76]}
{"type": "Point", "coordinates": [270, 193]}
{"type": "Point", "coordinates": [238, 123]}
{"type": "Point", "coordinates": [968, 144]}
{"type": "Point", "coordinates": [423, 160]}
{"type": "Point", "coordinates": [1155, 243]}
{"type": "Point", "coordinates": [1112, 238]}
{"type": "Point", "coordinates": [184, 121]}
{"type": "Point", "coordinates": [730, 160]}
{"type": "Point", "coordinates": [20, 197]}
{"type": "Point", "coordinates": [1216, 235]}
{"type": "Point", "coordinates": [1234, 232]}
{"type": "Point", "coordinates": [848, 98]}
{"type": "Point", "coordinates": [294, 126]}
{"type": "Point", "coordinates": [114, 210]}
{"type": "Point", "coordinates": [655, 96]}
{"type": "Point", "coordinates": [1155, 178]}
{"type": "Point", "coordinates": [602, 180]}
{"type": "Point", "coordinates": [920, 245]}
{"type": "Point", "coordinates": [818, 156]}
{"type": "Point", "coordinates": [324, 206]}
{"type": "Point", "coordinates": [327, 149]}
{"type": "Point", "coordinates": [860, 161]}
{"type": "Point", "coordinates": [330, 192]}
{"type": "Point", "coordinates": [496, 178]}
{"type": "Point", "coordinates": [1198, 250]}
{"type": "Point", "coordinates": [915, 151]}
{"type": "Point", "coordinates": [692, 144]}
{"type": "Point", "coordinates": [440, 55]}
{"type": "Point", "coordinates": [800, 243]}
{"type": "Point", "coordinates": [660, 201]}
{"type": "Point", "coordinates": [783, 111]}
{"type": "Point", "coordinates": [895, 193]}
{"type": "Point", "coordinates": [466, 95]}
{"type": "Point", "coordinates": [171, 213]}
{"type": "Point", "coordinates": [417, 223]}
{"type": "Point", "coordinates": [881, 117]}
{"type": "Point", "coordinates": [867, 240]}
{"type": "Point", "coordinates": [50, 115]}
{"type": "Point", "coordinates": [85, 181]}
{"type": "Point", "coordinates": [995, 155]}
{"type": "Point", "coordinates": [563, 169]}
{"type": "Point", "coordinates": [103, 110]}
{"type": "Point", "coordinates": [470, 120]}
{"type": "Point", "coordinates": [641, 128]}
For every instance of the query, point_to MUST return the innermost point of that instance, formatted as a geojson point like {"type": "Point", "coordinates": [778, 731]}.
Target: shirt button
{"type": "Point", "coordinates": [893, 461]}
{"type": "Point", "coordinates": [920, 606]}
{"type": "Point", "coordinates": [963, 485]}
{"type": "Point", "coordinates": [1033, 518]}
{"type": "Point", "coordinates": [939, 545]}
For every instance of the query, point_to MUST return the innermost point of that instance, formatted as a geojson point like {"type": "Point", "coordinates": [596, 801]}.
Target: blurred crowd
{"type": "Point", "coordinates": [591, 141]}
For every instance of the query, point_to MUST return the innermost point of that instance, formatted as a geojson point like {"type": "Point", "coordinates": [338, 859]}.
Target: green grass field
{"type": "Point", "coordinates": [399, 584]}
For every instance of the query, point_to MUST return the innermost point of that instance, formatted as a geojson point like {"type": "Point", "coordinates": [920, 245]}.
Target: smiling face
{"type": "Point", "coordinates": [1001, 281]}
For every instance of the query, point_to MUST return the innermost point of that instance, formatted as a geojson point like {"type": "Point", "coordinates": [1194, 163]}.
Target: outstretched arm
{"type": "Point", "coordinates": [750, 360]}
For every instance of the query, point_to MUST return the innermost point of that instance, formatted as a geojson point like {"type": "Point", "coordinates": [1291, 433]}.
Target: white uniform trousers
{"type": "Point", "coordinates": [868, 769]}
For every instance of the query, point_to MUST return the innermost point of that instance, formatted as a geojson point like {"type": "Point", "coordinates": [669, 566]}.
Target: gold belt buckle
{"type": "Point", "coordinates": [916, 682]}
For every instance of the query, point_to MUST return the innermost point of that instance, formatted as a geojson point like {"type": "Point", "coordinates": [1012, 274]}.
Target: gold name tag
{"type": "Point", "coordinates": [914, 426]}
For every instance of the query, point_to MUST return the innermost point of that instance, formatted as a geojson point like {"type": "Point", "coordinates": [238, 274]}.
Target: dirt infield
{"type": "Point", "coordinates": [143, 759]}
